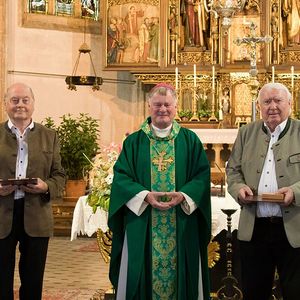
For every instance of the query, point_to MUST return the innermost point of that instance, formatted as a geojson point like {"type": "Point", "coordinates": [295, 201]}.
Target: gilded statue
{"type": "Point", "coordinates": [194, 21]}
{"type": "Point", "coordinates": [291, 21]}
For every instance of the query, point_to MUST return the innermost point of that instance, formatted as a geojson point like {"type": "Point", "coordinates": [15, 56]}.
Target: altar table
{"type": "Point", "coordinates": [216, 136]}
{"type": "Point", "coordinates": [86, 222]}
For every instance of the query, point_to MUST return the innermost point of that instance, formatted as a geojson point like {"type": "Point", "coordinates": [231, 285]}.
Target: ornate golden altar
{"type": "Point", "coordinates": [211, 74]}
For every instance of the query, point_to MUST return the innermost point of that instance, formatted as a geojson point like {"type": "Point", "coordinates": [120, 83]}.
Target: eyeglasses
{"type": "Point", "coordinates": [16, 100]}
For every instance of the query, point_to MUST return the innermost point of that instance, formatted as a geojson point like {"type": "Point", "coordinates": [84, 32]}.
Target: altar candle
{"type": "Point", "coordinates": [195, 76]}
{"type": "Point", "coordinates": [292, 76]}
{"type": "Point", "coordinates": [176, 78]}
{"type": "Point", "coordinates": [213, 78]}
{"type": "Point", "coordinates": [220, 114]}
{"type": "Point", "coordinates": [273, 74]}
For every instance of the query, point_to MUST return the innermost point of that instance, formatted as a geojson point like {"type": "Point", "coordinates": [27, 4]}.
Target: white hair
{"type": "Point", "coordinates": [276, 86]}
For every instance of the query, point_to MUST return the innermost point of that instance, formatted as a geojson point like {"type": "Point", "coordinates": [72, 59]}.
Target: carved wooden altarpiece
{"type": "Point", "coordinates": [150, 38]}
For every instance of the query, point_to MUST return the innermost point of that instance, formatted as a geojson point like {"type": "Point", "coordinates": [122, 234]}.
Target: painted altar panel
{"type": "Point", "coordinates": [133, 33]}
{"type": "Point", "coordinates": [189, 36]}
{"type": "Point", "coordinates": [181, 32]}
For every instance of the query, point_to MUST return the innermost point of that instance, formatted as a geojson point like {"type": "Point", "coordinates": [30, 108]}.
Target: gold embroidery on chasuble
{"type": "Point", "coordinates": [164, 248]}
{"type": "Point", "coordinates": [164, 252]}
{"type": "Point", "coordinates": [162, 161]}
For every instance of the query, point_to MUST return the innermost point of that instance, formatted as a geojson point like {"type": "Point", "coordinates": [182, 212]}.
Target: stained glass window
{"type": "Point", "coordinates": [37, 6]}
{"type": "Point", "coordinates": [75, 10]}
{"type": "Point", "coordinates": [64, 7]}
{"type": "Point", "coordinates": [90, 9]}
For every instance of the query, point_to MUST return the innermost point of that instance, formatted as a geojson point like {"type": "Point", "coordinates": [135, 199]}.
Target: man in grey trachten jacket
{"type": "Point", "coordinates": [266, 159]}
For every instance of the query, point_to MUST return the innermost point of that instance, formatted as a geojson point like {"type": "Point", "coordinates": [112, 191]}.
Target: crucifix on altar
{"type": "Point", "coordinates": [252, 41]}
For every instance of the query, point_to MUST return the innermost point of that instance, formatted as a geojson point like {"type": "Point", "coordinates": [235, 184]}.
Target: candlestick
{"type": "Point", "coordinates": [292, 76]}
{"type": "Point", "coordinates": [195, 75]}
{"type": "Point", "coordinates": [176, 78]}
{"type": "Point", "coordinates": [273, 74]}
{"type": "Point", "coordinates": [213, 78]}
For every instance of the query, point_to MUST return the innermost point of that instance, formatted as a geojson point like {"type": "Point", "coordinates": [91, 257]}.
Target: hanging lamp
{"type": "Point", "coordinates": [74, 80]}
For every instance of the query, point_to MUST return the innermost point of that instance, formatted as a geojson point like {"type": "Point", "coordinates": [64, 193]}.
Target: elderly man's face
{"type": "Point", "coordinates": [162, 109]}
{"type": "Point", "coordinates": [19, 104]}
{"type": "Point", "coordinates": [275, 107]}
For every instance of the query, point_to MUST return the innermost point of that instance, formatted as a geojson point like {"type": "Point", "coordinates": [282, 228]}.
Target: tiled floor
{"type": "Point", "coordinates": [69, 266]}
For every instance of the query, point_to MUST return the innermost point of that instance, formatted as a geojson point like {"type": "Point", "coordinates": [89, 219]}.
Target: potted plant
{"type": "Point", "coordinates": [204, 114]}
{"type": "Point", "coordinates": [185, 114]}
{"type": "Point", "coordinates": [78, 141]}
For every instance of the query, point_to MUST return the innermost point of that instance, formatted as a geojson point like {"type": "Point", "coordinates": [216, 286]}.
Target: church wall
{"type": "Point", "coordinates": [42, 58]}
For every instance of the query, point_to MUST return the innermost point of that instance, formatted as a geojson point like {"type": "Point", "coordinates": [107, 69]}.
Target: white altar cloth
{"type": "Point", "coordinates": [86, 222]}
{"type": "Point", "coordinates": [216, 136]}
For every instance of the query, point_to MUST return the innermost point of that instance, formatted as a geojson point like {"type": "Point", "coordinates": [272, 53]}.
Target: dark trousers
{"type": "Point", "coordinates": [269, 249]}
{"type": "Point", "coordinates": [33, 253]}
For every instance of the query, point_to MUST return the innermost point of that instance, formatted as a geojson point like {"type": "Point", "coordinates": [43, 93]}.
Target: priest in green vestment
{"type": "Point", "coordinates": [160, 210]}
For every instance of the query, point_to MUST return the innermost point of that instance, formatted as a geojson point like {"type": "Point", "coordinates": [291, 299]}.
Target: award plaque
{"type": "Point", "coordinates": [22, 181]}
{"type": "Point", "coordinates": [267, 197]}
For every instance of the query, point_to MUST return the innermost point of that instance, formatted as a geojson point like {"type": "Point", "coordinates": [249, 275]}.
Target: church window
{"type": "Point", "coordinates": [52, 14]}
{"type": "Point", "coordinates": [64, 7]}
{"type": "Point", "coordinates": [68, 8]}
{"type": "Point", "coordinates": [38, 6]}
{"type": "Point", "coordinates": [90, 9]}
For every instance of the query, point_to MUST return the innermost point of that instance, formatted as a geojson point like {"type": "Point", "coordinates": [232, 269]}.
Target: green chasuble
{"type": "Point", "coordinates": [163, 247]}
{"type": "Point", "coordinates": [163, 225]}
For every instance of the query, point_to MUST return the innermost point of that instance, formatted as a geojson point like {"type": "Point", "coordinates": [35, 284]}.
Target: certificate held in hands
{"type": "Point", "coordinates": [22, 181]}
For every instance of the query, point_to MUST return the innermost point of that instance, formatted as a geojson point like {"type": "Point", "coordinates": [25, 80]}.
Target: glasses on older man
{"type": "Point", "coordinates": [16, 100]}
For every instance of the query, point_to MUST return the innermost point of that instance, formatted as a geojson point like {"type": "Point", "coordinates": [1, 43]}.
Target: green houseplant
{"type": "Point", "coordinates": [204, 111]}
{"type": "Point", "coordinates": [78, 140]}
{"type": "Point", "coordinates": [204, 114]}
{"type": "Point", "coordinates": [185, 114]}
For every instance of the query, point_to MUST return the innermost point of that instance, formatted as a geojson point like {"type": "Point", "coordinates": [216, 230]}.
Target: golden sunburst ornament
{"type": "Point", "coordinates": [213, 254]}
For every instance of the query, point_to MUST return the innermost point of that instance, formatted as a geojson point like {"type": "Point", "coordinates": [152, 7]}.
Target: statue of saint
{"type": "Point", "coordinates": [275, 33]}
{"type": "Point", "coordinates": [194, 20]}
{"type": "Point", "coordinates": [291, 21]}
{"type": "Point", "coordinates": [225, 102]}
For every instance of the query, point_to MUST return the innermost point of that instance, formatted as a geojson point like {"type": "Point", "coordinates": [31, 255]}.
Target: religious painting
{"type": "Point", "coordinates": [64, 7]}
{"type": "Point", "coordinates": [90, 9]}
{"type": "Point", "coordinates": [133, 33]}
{"type": "Point", "coordinates": [37, 6]}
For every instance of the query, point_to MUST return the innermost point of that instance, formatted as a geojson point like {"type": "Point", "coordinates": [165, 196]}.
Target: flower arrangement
{"type": "Point", "coordinates": [101, 177]}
